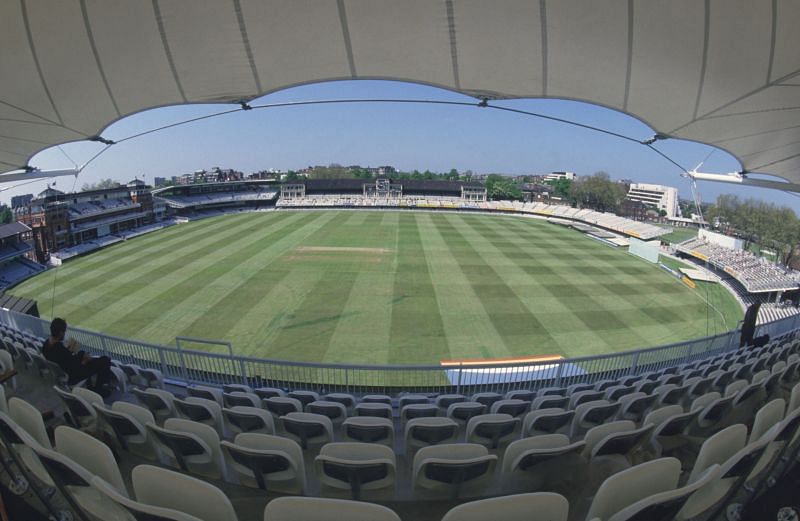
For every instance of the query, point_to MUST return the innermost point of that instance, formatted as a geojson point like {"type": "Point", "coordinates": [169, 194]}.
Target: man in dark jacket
{"type": "Point", "coordinates": [78, 365]}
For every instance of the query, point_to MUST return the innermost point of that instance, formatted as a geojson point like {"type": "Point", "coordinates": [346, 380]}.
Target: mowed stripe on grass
{"type": "Point", "coordinates": [375, 288]}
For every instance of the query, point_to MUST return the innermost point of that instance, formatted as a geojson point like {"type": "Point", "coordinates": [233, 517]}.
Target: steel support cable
{"type": "Point", "coordinates": [481, 104]}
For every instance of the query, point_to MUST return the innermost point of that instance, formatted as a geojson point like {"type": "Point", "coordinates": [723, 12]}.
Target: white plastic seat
{"type": "Point", "coordinates": [161, 403]}
{"type": "Point", "coordinates": [525, 395]}
{"type": "Point", "coordinates": [21, 447]}
{"type": "Point", "coordinates": [664, 506]}
{"type": "Point", "coordinates": [452, 466]}
{"type": "Point", "coordinates": [190, 446]}
{"type": "Point", "coordinates": [443, 401]}
{"type": "Point", "coordinates": [698, 386]}
{"type": "Point", "coordinates": [597, 434]}
{"type": "Point", "coordinates": [671, 394]}
{"type": "Point", "coordinates": [417, 410]}
{"type": "Point", "coordinates": [531, 462]}
{"type": "Point", "coordinates": [91, 454]}
{"type": "Point", "coordinates": [712, 416]}
{"type": "Point", "coordinates": [627, 487]}
{"type": "Point", "coordinates": [646, 386]}
{"type": "Point", "coordinates": [576, 388]}
{"type": "Point", "coordinates": [492, 430]}
{"type": "Point", "coordinates": [462, 412]}
{"type": "Point", "coordinates": [671, 428]}
{"type": "Point", "coordinates": [746, 401]}
{"type": "Point", "coordinates": [237, 388]}
{"type": "Point", "coordinates": [635, 406]}
{"type": "Point", "coordinates": [132, 372]}
{"type": "Point", "coordinates": [151, 377]}
{"type": "Point", "coordinates": [615, 392]}
{"type": "Point", "coordinates": [307, 428]}
{"type": "Point", "coordinates": [3, 400]}
{"type": "Point", "coordinates": [413, 399]}
{"type": "Point", "coordinates": [76, 485]}
{"type": "Point", "coordinates": [549, 402]}
{"type": "Point", "coordinates": [582, 397]}
{"type": "Point", "coordinates": [794, 399]}
{"type": "Point", "coordinates": [767, 418]}
{"type": "Point", "coordinates": [546, 505]}
{"type": "Point", "coordinates": [267, 462]}
{"type": "Point", "coordinates": [281, 405]}
{"type": "Point", "coordinates": [379, 409]}
{"type": "Point", "coordinates": [119, 379]}
{"type": "Point", "coordinates": [733, 388]}
{"type": "Point", "coordinates": [424, 432]}
{"type": "Point", "coordinates": [348, 400]}
{"type": "Point", "coordinates": [356, 467]}
{"type": "Point", "coordinates": [514, 407]}
{"type": "Point", "coordinates": [591, 414]}
{"type": "Point", "coordinates": [785, 437]}
{"type": "Point", "coordinates": [624, 447]}
{"type": "Point", "coordinates": [324, 509]}
{"type": "Point", "coordinates": [29, 419]}
{"type": "Point", "coordinates": [172, 490]}
{"type": "Point", "coordinates": [126, 422]}
{"type": "Point", "coordinates": [7, 365]}
{"type": "Point", "coordinates": [240, 398]}
{"type": "Point", "coordinates": [368, 429]}
{"type": "Point", "coordinates": [604, 385]}
{"type": "Point", "coordinates": [201, 410]}
{"type": "Point", "coordinates": [710, 499]}
{"type": "Point", "coordinates": [269, 392]}
{"type": "Point", "coordinates": [717, 449]}
{"type": "Point", "coordinates": [81, 413]}
{"type": "Point", "coordinates": [336, 411]}
{"type": "Point", "coordinates": [547, 421]}
{"type": "Point", "coordinates": [304, 397]}
{"type": "Point", "coordinates": [207, 393]}
{"type": "Point", "coordinates": [248, 419]}
{"type": "Point", "coordinates": [486, 399]}
{"type": "Point", "coordinates": [376, 398]}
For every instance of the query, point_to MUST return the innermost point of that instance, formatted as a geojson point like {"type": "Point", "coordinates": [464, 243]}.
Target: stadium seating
{"type": "Point", "coordinates": [745, 431]}
{"type": "Point", "coordinates": [605, 221]}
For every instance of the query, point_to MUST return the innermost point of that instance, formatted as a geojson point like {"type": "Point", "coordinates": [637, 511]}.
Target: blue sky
{"type": "Point", "coordinates": [407, 136]}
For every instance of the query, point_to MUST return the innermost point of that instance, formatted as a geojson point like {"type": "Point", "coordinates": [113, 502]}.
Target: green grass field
{"type": "Point", "coordinates": [377, 288]}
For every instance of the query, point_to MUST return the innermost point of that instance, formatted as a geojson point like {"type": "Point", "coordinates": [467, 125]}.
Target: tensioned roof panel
{"type": "Point", "coordinates": [725, 72]}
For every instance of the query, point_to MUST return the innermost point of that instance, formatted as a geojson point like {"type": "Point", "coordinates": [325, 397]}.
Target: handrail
{"type": "Point", "coordinates": [191, 365]}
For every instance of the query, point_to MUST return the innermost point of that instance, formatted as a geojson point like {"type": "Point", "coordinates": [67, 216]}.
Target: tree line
{"type": "Point", "coordinates": [758, 222]}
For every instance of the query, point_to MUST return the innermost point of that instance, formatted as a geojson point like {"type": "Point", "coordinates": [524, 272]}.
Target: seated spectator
{"type": "Point", "coordinates": [78, 365]}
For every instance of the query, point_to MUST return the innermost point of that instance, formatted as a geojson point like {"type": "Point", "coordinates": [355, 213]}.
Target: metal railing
{"type": "Point", "coordinates": [188, 366]}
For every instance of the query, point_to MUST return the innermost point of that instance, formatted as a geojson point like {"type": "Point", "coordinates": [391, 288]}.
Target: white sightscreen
{"type": "Point", "coordinates": [648, 250]}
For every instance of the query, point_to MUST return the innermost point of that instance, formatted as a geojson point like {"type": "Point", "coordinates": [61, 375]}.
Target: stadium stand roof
{"type": "Point", "coordinates": [12, 229]}
{"type": "Point", "coordinates": [723, 73]}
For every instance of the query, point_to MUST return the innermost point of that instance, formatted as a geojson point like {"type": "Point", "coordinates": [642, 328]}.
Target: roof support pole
{"type": "Point", "coordinates": [742, 179]}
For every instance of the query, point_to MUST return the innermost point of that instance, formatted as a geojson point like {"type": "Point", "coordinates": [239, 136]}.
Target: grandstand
{"type": "Point", "coordinates": [14, 249]}
{"type": "Point", "coordinates": [604, 221]}
{"type": "Point", "coordinates": [62, 224]}
{"type": "Point", "coordinates": [756, 274]}
{"type": "Point", "coordinates": [692, 434]}
{"type": "Point", "coordinates": [689, 431]}
{"type": "Point", "coordinates": [184, 199]}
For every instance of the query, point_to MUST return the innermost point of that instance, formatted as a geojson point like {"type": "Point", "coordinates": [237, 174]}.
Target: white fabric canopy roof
{"type": "Point", "coordinates": [723, 72]}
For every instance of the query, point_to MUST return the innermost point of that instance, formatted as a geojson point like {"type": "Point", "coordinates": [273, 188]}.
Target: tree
{"type": "Point", "coordinates": [501, 187]}
{"type": "Point", "coordinates": [102, 184]}
{"type": "Point", "coordinates": [561, 187]}
{"type": "Point", "coordinates": [758, 222]}
{"type": "Point", "coordinates": [597, 192]}
{"type": "Point", "coordinates": [5, 214]}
